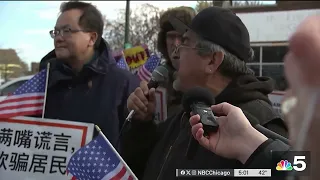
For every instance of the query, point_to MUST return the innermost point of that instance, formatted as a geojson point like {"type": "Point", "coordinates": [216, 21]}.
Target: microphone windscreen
{"type": "Point", "coordinates": [176, 84]}
{"type": "Point", "coordinates": [160, 74]}
{"type": "Point", "coordinates": [197, 94]}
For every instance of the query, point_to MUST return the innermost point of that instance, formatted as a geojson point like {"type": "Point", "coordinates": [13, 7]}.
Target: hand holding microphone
{"type": "Point", "coordinates": [226, 135]}
{"type": "Point", "coordinates": [235, 139]}
{"type": "Point", "coordinates": [229, 135]}
{"type": "Point", "coordinates": [142, 102]}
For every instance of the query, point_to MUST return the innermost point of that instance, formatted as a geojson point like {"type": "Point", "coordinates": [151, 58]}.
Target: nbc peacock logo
{"type": "Point", "coordinates": [284, 165]}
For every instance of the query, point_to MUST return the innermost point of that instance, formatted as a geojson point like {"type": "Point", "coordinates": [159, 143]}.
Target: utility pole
{"type": "Point", "coordinates": [126, 32]}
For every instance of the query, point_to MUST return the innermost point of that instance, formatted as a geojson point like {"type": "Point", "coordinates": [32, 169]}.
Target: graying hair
{"type": "Point", "coordinates": [231, 65]}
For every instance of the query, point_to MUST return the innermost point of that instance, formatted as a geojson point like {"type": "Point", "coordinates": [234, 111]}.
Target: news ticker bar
{"type": "Point", "coordinates": [223, 172]}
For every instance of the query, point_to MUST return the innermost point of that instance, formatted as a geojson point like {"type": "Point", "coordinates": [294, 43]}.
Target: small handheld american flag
{"type": "Point", "coordinates": [122, 63]}
{"type": "Point", "coordinates": [146, 70]}
{"type": "Point", "coordinates": [98, 160]}
{"type": "Point", "coordinates": [28, 99]}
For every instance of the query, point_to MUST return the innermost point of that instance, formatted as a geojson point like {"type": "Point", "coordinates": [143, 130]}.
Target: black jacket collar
{"type": "Point", "coordinates": [246, 88]}
{"type": "Point", "coordinates": [99, 64]}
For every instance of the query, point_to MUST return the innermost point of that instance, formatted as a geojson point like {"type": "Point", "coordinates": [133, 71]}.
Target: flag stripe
{"type": "Point", "coordinates": [34, 111]}
{"type": "Point", "coordinates": [113, 173]}
{"type": "Point", "coordinates": [28, 99]}
{"type": "Point", "coordinates": [120, 174]}
{"type": "Point", "coordinates": [22, 105]}
{"type": "Point", "coordinates": [126, 176]}
{"type": "Point", "coordinates": [144, 74]}
{"type": "Point", "coordinates": [29, 95]}
{"type": "Point", "coordinates": [22, 101]}
{"type": "Point", "coordinates": [26, 109]}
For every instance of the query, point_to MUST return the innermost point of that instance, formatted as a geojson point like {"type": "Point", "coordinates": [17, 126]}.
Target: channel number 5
{"type": "Point", "coordinates": [299, 164]}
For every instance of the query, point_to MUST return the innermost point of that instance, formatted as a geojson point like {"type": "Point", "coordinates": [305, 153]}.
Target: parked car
{"type": "Point", "coordinates": [9, 87]}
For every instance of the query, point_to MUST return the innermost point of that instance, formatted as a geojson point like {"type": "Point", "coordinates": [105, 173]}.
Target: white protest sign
{"type": "Point", "coordinates": [161, 106]}
{"type": "Point", "coordinates": [39, 149]}
{"type": "Point", "coordinates": [276, 99]}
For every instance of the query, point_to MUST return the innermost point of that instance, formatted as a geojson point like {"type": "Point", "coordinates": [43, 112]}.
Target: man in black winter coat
{"type": "Point", "coordinates": [168, 40]}
{"type": "Point", "coordinates": [85, 85]}
{"type": "Point", "coordinates": [213, 53]}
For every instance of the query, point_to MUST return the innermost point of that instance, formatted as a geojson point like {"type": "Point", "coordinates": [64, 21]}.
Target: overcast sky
{"type": "Point", "coordinates": [25, 25]}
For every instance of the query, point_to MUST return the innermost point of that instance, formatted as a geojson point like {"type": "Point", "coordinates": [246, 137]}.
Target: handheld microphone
{"type": "Point", "coordinates": [159, 75]}
{"type": "Point", "coordinates": [199, 100]}
{"type": "Point", "coordinates": [270, 134]}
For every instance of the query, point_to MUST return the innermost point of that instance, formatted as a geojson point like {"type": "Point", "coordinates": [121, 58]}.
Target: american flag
{"type": "Point", "coordinates": [98, 160]}
{"type": "Point", "coordinates": [146, 70]}
{"type": "Point", "coordinates": [122, 64]}
{"type": "Point", "coordinates": [28, 99]}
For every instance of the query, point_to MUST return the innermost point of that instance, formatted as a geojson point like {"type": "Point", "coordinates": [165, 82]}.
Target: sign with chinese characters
{"type": "Point", "coordinates": [35, 148]}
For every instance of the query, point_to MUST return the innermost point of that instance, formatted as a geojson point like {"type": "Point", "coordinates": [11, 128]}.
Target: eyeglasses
{"type": "Point", "coordinates": [64, 32]}
{"type": "Point", "coordinates": [178, 47]}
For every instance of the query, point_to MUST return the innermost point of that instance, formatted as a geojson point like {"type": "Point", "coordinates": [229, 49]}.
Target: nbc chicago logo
{"type": "Point", "coordinates": [284, 165]}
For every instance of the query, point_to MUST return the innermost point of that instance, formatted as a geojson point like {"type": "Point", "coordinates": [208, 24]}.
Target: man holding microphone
{"type": "Point", "coordinates": [213, 58]}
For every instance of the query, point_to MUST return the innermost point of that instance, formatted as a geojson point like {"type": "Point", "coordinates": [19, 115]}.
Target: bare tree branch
{"type": "Point", "coordinates": [144, 27]}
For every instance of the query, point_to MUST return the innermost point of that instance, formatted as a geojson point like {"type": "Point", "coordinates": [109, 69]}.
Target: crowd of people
{"type": "Point", "coordinates": [209, 49]}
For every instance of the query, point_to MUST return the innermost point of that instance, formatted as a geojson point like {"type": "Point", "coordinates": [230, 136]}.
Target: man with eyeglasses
{"type": "Point", "coordinates": [300, 107]}
{"type": "Point", "coordinates": [85, 85]}
{"type": "Point", "coordinates": [168, 40]}
{"type": "Point", "coordinates": [213, 54]}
